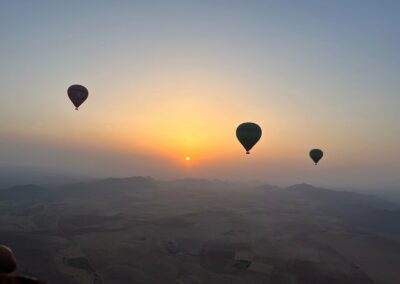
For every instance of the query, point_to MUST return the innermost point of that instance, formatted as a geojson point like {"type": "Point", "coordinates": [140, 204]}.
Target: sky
{"type": "Point", "coordinates": [171, 79]}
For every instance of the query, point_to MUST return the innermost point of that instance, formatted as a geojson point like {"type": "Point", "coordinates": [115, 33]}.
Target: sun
{"type": "Point", "coordinates": [187, 158]}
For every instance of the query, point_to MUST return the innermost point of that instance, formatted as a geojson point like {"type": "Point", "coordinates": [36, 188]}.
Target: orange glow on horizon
{"type": "Point", "coordinates": [188, 120]}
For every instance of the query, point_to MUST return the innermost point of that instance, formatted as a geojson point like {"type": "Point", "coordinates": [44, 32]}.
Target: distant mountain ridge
{"type": "Point", "coordinates": [23, 193]}
{"type": "Point", "coordinates": [109, 187]}
{"type": "Point", "coordinates": [11, 176]}
{"type": "Point", "coordinates": [329, 196]}
{"type": "Point", "coordinates": [144, 182]}
{"type": "Point", "coordinates": [338, 202]}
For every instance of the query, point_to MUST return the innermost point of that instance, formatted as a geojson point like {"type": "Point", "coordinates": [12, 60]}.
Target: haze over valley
{"type": "Point", "coordinates": [143, 230]}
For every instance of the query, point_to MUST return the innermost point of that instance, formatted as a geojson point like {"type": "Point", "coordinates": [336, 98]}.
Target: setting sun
{"type": "Point", "coordinates": [187, 158]}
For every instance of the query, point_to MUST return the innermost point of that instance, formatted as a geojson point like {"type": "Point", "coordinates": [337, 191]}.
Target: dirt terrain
{"type": "Point", "coordinates": [140, 230]}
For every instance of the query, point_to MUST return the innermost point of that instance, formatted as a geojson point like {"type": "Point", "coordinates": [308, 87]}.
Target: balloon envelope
{"type": "Point", "coordinates": [77, 94]}
{"type": "Point", "coordinates": [7, 260]}
{"type": "Point", "coordinates": [316, 155]}
{"type": "Point", "coordinates": [248, 134]}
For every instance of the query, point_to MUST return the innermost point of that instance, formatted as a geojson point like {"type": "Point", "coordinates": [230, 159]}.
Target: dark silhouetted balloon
{"type": "Point", "coordinates": [77, 94]}
{"type": "Point", "coordinates": [316, 155]}
{"type": "Point", "coordinates": [248, 134]}
{"type": "Point", "coordinates": [7, 260]}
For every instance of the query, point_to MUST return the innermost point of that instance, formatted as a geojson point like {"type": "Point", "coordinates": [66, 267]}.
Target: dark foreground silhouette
{"type": "Point", "coordinates": [8, 265]}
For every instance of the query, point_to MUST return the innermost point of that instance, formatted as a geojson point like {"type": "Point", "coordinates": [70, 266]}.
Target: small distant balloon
{"type": "Point", "coordinates": [78, 95]}
{"type": "Point", "coordinates": [248, 134]}
{"type": "Point", "coordinates": [316, 155]}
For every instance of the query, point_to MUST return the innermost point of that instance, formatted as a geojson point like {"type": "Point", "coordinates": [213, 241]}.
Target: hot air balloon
{"type": "Point", "coordinates": [316, 155]}
{"type": "Point", "coordinates": [7, 260]}
{"type": "Point", "coordinates": [248, 134]}
{"type": "Point", "coordinates": [77, 94]}
{"type": "Point", "coordinates": [8, 265]}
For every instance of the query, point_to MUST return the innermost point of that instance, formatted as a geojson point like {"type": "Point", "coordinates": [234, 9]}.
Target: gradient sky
{"type": "Point", "coordinates": [169, 79]}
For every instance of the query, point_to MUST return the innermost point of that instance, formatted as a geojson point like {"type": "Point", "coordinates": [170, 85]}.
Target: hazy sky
{"type": "Point", "coordinates": [169, 79]}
